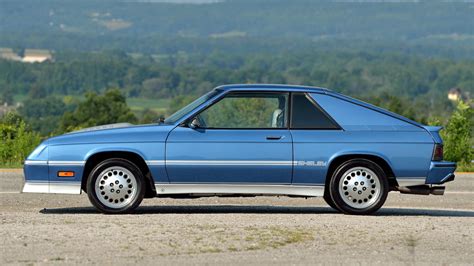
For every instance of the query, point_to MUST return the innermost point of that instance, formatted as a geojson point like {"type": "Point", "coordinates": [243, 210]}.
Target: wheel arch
{"type": "Point", "coordinates": [376, 158]}
{"type": "Point", "coordinates": [97, 157]}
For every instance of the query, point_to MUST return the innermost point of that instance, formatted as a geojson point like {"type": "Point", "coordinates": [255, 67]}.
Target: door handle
{"type": "Point", "coordinates": [275, 137]}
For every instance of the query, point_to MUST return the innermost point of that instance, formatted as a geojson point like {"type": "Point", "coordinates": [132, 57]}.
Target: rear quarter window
{"type": "Point", "coordinates": [307, 115]}
{"type": "Point", "coordinates": [351, 116]}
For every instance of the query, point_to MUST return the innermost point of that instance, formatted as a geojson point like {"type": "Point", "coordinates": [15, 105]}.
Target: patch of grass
{"type": "Point", "coordinates": [214, 238]}
{"type": "Point", "coordinates": [206, 226]}
{"type": "Point", "coordinates": [412, 241]}
{"type": "Point", "coordinates": [210, 250]}
{"type": "Point", "coordinates": [11, 165]}
{"type": "Point", "coordinates": [465, 167]}
{"type": "Point", "coordinates": [275, 237]}
{"type": "Point", "coordinates": [232, 248]}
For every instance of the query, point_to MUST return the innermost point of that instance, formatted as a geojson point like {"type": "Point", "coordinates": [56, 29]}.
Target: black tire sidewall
{"type": "Point", "coordinates": [91, 190]}
{"type": "Point", "coordinates": [338, 174]}
{"type": "Point", "coordinates": [327, 198]}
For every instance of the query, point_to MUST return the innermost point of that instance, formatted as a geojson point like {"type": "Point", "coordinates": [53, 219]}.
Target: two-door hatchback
{"type": "Point", "coordinates": [249, 140]}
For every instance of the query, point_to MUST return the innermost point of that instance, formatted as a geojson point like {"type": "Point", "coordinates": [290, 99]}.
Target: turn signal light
{"type": "Point", "coordinates": [66, 174]}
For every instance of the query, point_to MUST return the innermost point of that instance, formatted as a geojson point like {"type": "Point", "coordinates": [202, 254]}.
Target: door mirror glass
{"type": "Point", "coordinates": [195, 123]}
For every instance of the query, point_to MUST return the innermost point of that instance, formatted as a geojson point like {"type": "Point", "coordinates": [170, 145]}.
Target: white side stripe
{"type": "Point", "coordinates": [31, 162]}
{"type": "Point", "coordinates": [225, 162]}
{"type": "Point", "coordinates": [237, 162]}
{"type": "Point", "coordinates": [66, 162]}
{"type": "Point", "coordinates": [155, 162]}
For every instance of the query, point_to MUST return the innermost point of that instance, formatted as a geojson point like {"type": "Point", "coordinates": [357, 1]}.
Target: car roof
{"type": "Point", "coordinates": [309, 89]}
{"type": "Point", "coordinates": [270, 87]}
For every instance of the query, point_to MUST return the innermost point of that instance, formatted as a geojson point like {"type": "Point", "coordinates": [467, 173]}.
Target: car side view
{"type": "Point", "coordinates": [249, 140]}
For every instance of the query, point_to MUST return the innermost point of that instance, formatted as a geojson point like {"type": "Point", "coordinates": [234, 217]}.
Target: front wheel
{"type": "Point", "coordinates": [116, 186]}
{"type": "Point", "coordinates": [359, 186]}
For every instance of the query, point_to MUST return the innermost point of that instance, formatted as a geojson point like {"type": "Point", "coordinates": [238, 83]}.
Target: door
{"type": "Point", "coordinates": [243, 138]}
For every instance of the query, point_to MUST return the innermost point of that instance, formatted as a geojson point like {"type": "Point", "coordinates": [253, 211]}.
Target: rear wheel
{"type": "Point", "coordinates": [328, 200]}
{"type": "Point", "coordinates": [359, 186]}
{"type": "Point", "coordinates": [116, 186]}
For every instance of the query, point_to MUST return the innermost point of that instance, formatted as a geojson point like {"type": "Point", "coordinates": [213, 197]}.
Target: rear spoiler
{"type": "Point", "coordinates": [434, 131]}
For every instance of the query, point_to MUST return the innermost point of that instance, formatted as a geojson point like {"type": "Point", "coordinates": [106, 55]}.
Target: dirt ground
{"type": "Point", "coordinates": [410, 229]}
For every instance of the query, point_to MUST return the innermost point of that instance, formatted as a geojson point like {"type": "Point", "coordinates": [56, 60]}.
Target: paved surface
{"type": "Point", "coordinates": [58, 229]}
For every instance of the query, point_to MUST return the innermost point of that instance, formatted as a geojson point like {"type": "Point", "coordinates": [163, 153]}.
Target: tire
{"type": "Point", "coordinates": [116, 186]}
{"type": "Point", "coordinates": [359, 186]}
{"type": "Point", "coordinates": [328, 200]}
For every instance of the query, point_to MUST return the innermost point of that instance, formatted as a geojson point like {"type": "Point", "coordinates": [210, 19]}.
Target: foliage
{"type": "Point", "coordinates": [458, 136]}
{"type": "Point", "coordinates": [17, 140]}
{"type": "Point", "coordinates": [6, 97]}
{"type": "Point", "coordinates": [179, 102]}
{"type": "Point", "coordinates": [44, 113]}
{"type": "Point", "coordinates": [412, 86]}
{"type": "Point", "coordinates": [95, 110]}
{"type": "Point", "coordinates": [244, 112]}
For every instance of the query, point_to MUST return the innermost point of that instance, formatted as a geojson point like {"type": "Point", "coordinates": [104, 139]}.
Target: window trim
{"type": "Point", "coordinates": [287, 112]}
{"type": "Point", "coordinates": [316, 105]}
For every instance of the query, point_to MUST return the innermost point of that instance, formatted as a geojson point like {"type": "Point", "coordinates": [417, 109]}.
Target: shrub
{"type": "Point", "coordinates": [17, 140]}
{"type": "Point", "coordinates": [458, 135]}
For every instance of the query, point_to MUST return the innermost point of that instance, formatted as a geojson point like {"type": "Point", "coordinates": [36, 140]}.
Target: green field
{"type": "Point", "coordinates": [155, 105]}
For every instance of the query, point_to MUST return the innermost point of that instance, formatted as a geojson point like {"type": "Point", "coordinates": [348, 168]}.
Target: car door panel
{"type": "Point", "coordinates": [229, 156]}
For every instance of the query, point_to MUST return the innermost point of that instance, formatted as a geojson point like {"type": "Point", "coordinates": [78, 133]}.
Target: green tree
{"type": "Point", "coordinates": [95, 110]}
{"type": "Point", "coordinates": [44, 114]}
{"type": "Point", "coordinates": [12, 119]}
{"type": "Point", "coordinates": [7, 97]}
{"type": "Point", "coordinates": [37, 92]}
{"type": "Point", "coordinates": [17, 140]}
{"type": "Point", "coordinates": [458, 135]}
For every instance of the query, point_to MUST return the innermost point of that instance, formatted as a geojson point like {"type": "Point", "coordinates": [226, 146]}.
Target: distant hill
{"type": "Point", "coordinates": [157, 27]}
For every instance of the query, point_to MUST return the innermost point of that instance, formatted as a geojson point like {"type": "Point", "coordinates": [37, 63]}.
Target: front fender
{"type": "Point", "coordinates": [117, 148]}
{"type": "Point", "coordinates": [75, 156]}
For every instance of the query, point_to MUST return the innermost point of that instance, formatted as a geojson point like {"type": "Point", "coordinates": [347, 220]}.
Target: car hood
{"type": "Point", "coordinates": [114, 133]}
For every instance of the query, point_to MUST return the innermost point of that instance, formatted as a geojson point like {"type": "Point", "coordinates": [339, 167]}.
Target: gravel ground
{"type": "Point", "coordinates": [58, 229]}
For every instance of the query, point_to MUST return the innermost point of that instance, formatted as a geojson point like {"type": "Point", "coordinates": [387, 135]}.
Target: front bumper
{"type": "Point", "coordinates": [440, 173]}
{"type": "Point", "coordinates": [40, 178]}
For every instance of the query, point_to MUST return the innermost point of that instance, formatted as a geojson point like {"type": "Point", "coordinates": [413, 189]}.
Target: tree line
{"type": "Point", "coordinates": [415, 84]}
{"type": "Point", "coordinates": [88, 89]}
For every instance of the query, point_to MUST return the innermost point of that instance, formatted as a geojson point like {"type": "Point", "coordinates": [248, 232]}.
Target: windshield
{"type": "Point", "coordinates": [188, 108]}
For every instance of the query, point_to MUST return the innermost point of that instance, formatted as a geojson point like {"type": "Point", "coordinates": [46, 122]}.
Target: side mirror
{"type": "Point", "coordinates": [194, 123]}
{"type": "Point", "coordinates": [160, 120]}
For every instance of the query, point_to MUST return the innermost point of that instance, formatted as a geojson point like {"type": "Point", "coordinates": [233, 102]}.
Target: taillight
{"type": "Point", "coordinates": [438, 152]}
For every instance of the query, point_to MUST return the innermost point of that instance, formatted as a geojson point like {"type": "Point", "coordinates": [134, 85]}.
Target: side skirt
{"type": "Point", "coordinates": [242, 189]}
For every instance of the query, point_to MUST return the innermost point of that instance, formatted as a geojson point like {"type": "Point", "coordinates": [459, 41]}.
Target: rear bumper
{"type": "Point", "coordinates": [440, 173]}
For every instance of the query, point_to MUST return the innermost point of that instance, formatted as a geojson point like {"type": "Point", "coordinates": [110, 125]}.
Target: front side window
{"type": "Point", "coordinates": [247, 111]}
{"type": "Point", "coordinates": [306, 115]}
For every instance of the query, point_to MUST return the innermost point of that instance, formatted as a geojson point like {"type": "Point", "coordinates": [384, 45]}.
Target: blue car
{"type": "Point", "coordinates": [249, 140]}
